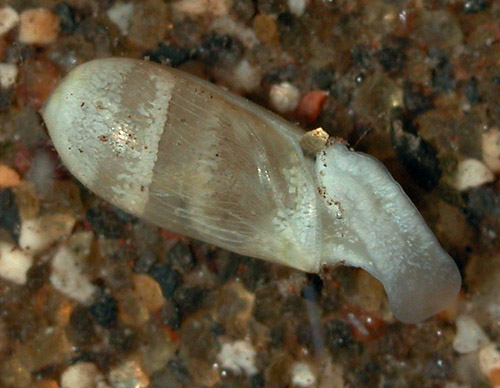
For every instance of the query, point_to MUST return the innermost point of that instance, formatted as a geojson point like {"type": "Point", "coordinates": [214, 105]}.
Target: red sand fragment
{"type": "Point", "coordinates": [311, 105]}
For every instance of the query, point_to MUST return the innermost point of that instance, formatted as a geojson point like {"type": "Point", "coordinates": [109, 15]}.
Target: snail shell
{"type": "Point", "coordinates": [185, 155]}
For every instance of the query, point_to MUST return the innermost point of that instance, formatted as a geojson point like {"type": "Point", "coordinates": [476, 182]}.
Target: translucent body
{"type": "Point", "coordinates": [379, 229]}
{"type": "Point", "coordinates": [190, 157]}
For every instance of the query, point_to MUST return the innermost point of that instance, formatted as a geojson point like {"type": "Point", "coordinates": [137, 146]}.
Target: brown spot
{"type": "Point", "coordinates": [37, 79]}
{"type": "Point", "coordinates": [311, 105]}
{"type": "Point", "coordinates": [103, 138]}
{"type": "Point", "coordinates": [82, 105]}
{"type": "Point", "coordinates": [21, 160]}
